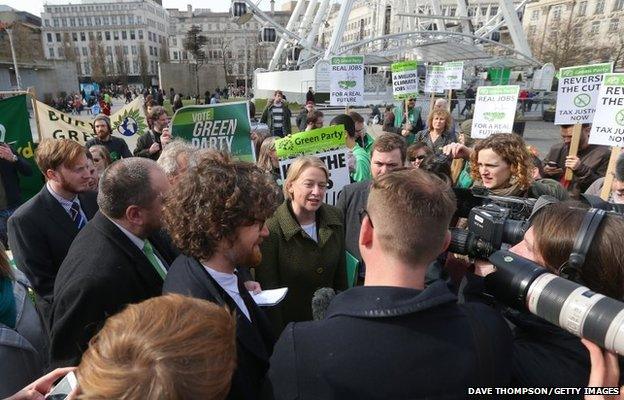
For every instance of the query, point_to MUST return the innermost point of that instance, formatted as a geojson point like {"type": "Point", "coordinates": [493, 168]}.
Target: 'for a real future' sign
{"type": "Point", "coordinates": [495, 110]}
{"type": "Point", "coordinates": [347, 81]}
{"type": "Point", "coordinates": [608, 125]}
{"type": "Point", "coordinates": [578, 92]}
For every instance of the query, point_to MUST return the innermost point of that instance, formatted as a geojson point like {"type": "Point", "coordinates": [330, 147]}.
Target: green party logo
{"type": "Point", "coordinates": [347, 84]}
{"type": "Point", "coordinates": [284, 145]}
{"type": "Point", "coordinates": [130, 123]}
{"type": "Point", "coordinates": [493, 116]}
{"type": "Point", "coordinates": [582, 100]}
{"type": "Point", "coordinates": [619, 117]}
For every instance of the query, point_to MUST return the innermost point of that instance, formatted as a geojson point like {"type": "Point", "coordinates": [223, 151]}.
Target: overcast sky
{"type": "Point", "coordinates": [36, 6]}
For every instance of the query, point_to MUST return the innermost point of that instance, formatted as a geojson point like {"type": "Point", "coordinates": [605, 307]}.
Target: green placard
{"type": "Point", "coordinates": [613, 80]}
{"type": "Point", "coordinates": [497, 90]}
{"type": "Point", "coordinates": [404, 66]}
{"type": "Point", "coordinates": [347, 60]}
{"type": "Point", "coordinates": [499, 76]}
{"type": "Point", "coordinates": [218, 126]}
{"type": "Point", "coordinates": [314, 141]}
{"type": "Point", "coordinates": [581, 70]}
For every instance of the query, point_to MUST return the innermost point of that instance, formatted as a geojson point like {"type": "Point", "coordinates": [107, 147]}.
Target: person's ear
{"type": "Point", "coordinates": [134, 215]}
{"type": "Point", "coordinates": [366, 233]}
{"type": "Point", "coordinates": [447, 241]}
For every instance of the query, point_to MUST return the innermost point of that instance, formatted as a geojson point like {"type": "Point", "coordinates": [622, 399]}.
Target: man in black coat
{"type": "Point", "coordinates": [393, 338]}
{"type": "Point", "coordinates": [113, 261]}
{"type": "Point", "coordinates": [42, 229]}
{"type": "Point", "coordinates": [117, 147]}
{"type": "Point", "coordinates": [232, 215]}
{"type": "Point", "coordinates": [150, 144]}
{"type": "Point", "coordinates": [11, 165]}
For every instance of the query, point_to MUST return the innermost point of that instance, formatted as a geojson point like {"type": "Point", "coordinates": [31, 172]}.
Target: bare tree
{"type": "Point", "coordinates": [564, 46]}
{"type": "Point", "coordinates": [164, 52]}
{"type": "Point", "coordinates": [98, 61]}
{"type": "Point", "coordinates": [68, 47]}
{"type": "Point", "coordinates": [121, 65]}
{"type": "Point", "coordinates": [194, 43]}
{"type": "Point", "coordinates": [143, 64]}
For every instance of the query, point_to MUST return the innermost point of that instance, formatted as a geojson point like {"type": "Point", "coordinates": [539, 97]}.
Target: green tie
{"type": "Point", "coordinates": [148, 250]}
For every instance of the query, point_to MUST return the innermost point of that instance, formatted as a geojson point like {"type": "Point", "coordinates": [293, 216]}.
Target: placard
{"type": "Point", "coordinates": [608, 124]}
{"type": "Point", "coordinates": [578, 93]}
{"type": "Point", "coordinates": [405, 80]}
{"type": "Point", "coordinates": [453, 74]}
{"type": "Point", "coordinates": [434, 81]}
{"type": "Point", "coordinates": [495, 110]}
{"type": "Point", "coordinates": [347, 81]}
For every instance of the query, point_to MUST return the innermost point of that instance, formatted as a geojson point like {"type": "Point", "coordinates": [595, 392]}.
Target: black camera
{"type": "Point", "coordinates": [503, 220]}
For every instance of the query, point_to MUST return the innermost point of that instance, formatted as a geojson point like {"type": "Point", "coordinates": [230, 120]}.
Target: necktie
{"type": "Point", "coordinates": [148, 250]}
{"type": "Point", "coordinates": [76, 215]}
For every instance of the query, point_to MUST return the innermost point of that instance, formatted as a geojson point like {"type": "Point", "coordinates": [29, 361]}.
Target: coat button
{"type": "Point", "coordinates": [320, 270]}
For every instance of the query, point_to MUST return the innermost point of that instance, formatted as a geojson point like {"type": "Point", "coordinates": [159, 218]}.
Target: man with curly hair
{"type": "Point", "coordinates": [215, 215]}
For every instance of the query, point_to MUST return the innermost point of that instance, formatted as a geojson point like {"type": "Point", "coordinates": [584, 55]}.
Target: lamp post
{"type": "Point", "coordinates": [9, 31]}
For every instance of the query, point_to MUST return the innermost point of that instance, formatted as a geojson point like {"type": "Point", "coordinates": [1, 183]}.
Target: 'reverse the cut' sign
{"type": "Point", "coordinates": [608, 125]}
{"type": "Point", "coordinates": [347, 81]}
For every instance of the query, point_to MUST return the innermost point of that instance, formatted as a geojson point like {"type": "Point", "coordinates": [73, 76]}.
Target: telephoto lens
{"type": "Point", "coordinates": [522, 284]}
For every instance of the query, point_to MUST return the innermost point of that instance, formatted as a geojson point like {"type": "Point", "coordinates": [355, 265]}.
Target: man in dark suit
{"type": "Point", "coordinates": [11, 166]}
{"type": "Point", "coordinates": [151, 143]}
{"type": "Point", "coordinates": [113, 260]}
{"type": "Point", "coordinates": [393, 336]}
{"type": "Point", "coordinates": [42, 229]}
{"type": "Point", "coordinates": [232, 215]}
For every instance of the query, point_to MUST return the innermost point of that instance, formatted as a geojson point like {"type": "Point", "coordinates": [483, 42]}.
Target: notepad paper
{"type": "Point", "coordinates": [270, 297]}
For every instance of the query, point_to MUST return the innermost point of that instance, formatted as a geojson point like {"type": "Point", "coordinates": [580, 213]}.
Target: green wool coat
{"type": "Point", "coordinates": [291, 258]}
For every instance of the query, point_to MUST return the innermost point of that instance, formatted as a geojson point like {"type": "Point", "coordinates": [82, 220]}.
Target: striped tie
{"type": "Point", "coordinates": [76, 215]}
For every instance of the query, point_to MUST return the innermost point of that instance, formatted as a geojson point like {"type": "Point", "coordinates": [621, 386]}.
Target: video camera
{"type": "Point", "coordinates": [499, 220]}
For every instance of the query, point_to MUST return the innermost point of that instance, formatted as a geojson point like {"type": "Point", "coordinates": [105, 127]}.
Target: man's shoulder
{"type": "Point", "coordinates": [357, 188]}
{"type": "Point", "coordinates": [33, 207]}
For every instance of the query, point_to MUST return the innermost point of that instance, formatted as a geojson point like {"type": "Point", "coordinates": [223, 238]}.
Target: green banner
{"type": "Point", "coordinates": [404, 66]}
{"type": "Point", "coordinates": [222, 126]}
{"type": "Point", "coordinates": [347, 60]}
{"type": "Point", "coordinates": [498, 90]}
{"type": "Point", "coordinates": [499, 76]}
{"type": "Point", "coordinates": [613, 80]}
{"type": "Point", "coordinates": [314, 141]}
{"type": "Point", "coordinates": [594, 69]}
{"type": "Point", "coordinates": [15, 131]}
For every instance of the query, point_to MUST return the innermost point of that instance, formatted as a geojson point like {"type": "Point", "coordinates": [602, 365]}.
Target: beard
{"type": "Point", "coordinates": [241, 257]}
{"type": "Point", "coordinates": [72, 187]}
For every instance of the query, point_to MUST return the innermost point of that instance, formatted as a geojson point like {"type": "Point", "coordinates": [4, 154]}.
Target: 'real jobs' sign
{"type": "Point", "coordinates": [495, 110]}
{"type": "Point", "coordinates": [347, 81]}
{"type": "Point", "coordinates": [578, 92]}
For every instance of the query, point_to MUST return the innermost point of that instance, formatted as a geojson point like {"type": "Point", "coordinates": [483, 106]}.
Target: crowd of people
{"type": "Point", "coordinates": [137, 270]}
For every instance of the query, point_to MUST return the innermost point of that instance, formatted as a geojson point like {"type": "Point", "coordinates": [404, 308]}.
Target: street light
{"type": "Point", "coordinates": [9, 30]}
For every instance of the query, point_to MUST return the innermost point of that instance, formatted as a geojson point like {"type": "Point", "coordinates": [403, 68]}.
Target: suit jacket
{"type": "Point", "coordinates": [40, 233]}
{"type": "Point", "coordinates": [254, 340]}
{"type": "Point", "coordinates": [351, 200]}
{"type": "Point", "coordinates": [144, 142]}
{"type": "Point", "coordinates": [102, 273]}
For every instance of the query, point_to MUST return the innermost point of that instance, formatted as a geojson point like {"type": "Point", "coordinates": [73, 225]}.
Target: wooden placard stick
{"type": "Point", "coordinates": [574, 145]}
{"type": "Point", "coordinates": [449, 96]}
{"type": "Point", "coordinates": [431, 101]}
{"type": "Point", "coordinates": [608, 181]}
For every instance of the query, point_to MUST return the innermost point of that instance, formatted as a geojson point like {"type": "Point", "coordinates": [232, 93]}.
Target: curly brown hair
{"type": "Point", "coordinates": [512, 149]}
{"type": "Point", "coordinates": [214, 199]}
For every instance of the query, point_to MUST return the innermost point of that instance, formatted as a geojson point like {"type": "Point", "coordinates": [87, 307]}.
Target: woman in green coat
{"type": "Point", "coordinates": [305, 249]}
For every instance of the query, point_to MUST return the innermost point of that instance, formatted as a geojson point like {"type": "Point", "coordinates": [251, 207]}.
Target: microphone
{"type": "Point", "coordinates": [320, 302]}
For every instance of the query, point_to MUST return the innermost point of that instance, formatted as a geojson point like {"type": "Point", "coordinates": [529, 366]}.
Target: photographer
{"type": "Point", "coordinates": [544, 354]}
{"type": "Point", "coordinates": [502, 164]}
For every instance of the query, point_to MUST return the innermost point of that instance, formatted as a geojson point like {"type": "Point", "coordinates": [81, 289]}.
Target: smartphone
{"type": "Point", "coordinates": [62, 389]}
{"type": "Point", "coordinates": [552, 164]}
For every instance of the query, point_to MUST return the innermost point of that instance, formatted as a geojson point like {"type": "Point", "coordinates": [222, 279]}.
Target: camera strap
{"type": "Point", "coordinates": [591, 222]}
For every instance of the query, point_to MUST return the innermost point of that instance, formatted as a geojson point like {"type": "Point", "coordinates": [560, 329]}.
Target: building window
{"type": "Point", "coordinates": [493, 10]}
{"type": "Point", "coordinates": [116, 35]}
{"type": "Point", "coordinates": [72, 21]}
{"type": "Point", "coordinates": [51, 51]}
{"type": "Point", "coordinates": [80, 21]}
{"type": "Point", "coordinates": [175, 55]}
{"type": "Point", "coordinates": [595, 27]}
{"type": "Point", "coordinates": [99, 35]}
{"type": "Point", "coordinates": [140, 34]}
{"type": "Point", "coordinates": [132, 36]}
{"type": "Point", "coordinates": [58, 37]}
{"type": "Point", "coordinates": [599, 7]}
{"type": "Point", "coordinates": [105, 20]}
{"type": "Point", "coordinates": [124, 35]}
{"type": "Point", "coordinates": [556, 13]}
{"type": "Point", "coordinates": [531, 31]}
{"type": "Point", "coordinates": [55, 22]}
{"type": "Point", "coordinates": [49, 36]}
{"type": "Point", "coordinates": [156, 51]}
{"type": "Point", "coordinates": [614, 25]}
{"type": "Point", "coordinates": [87, 68]}
{"type": "Point", "coordinates": [114, 20]}
{"type": "Point", "coordinates": [85, 51]}
{"type": "Point", "coordinates": [75, 36]}
{"type": "Point", "coordinates": [107, 35]}
{"type": "Point", "coordinates": [64, 22]}
{"type": "Point", "coordinates": [61, 52]}
{"type": "Point", "coordinates": [90, 35]}
{"type": "Point", "coordinates": [135, 67]}
{"type": "Point", "coordinates": [133, 48]}
{"type": "Point", "coordinates": [151, 52]}
{"type": "Point", "coordinates": [125, 50]}
{"type": "Point", "coordinates": [98, 21]}
{"type": "Point", "coordinates": [83, 37]}
{"type": "Point", "coordinates": [76, 51]}
{"type": "Point", "coordinates": [89, 22]}
{"type": "Point", "coordinates": [452, 12]}
{"type": "Point", "coordinates": [46, 22]}
{"type": "Point", "coordinates": [582, 9]}
{"type": "Point", "coordinates": [149, 36]}
{"type": "Point", "coordinates": [618, 5]}
{"type": "Point", "coordinates": [174, 41]}
{"type": "Point", "coordinates": [109, 50]}
{"type": "Point", "coordinates": [130, 19]}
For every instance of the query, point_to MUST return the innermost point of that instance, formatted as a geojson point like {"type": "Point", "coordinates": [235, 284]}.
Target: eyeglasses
{"type": "Point", "coordinates": [420, 157]}
{"type": "Point", "coordinates": [96, 160]}
{"type": "Point", "coordinates": [411, 100]}
{"type": "Point", "coordinates": [364, 213]}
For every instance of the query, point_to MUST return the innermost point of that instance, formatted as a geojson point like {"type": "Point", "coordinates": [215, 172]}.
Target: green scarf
{"type": "Point", "coordinates": [7, 303]}
{"type": "Point", "coordinates": [513, 190]}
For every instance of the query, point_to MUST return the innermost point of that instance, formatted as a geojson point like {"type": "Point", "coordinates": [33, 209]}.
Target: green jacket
{"type": "Point", "coordinates": [362, 165]}
{"type": "Point", "coordinates": [291, 258]}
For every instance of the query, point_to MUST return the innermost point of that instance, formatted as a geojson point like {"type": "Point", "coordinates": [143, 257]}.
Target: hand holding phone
{"type": "Point", "coordinates": [63, 389]}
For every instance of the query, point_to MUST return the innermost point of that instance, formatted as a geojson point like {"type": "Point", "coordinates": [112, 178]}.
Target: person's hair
{"type": "Point", "coordinates": [619, 168]}
{"type": "Point", "coordinates": [168, 159]}
{"type": "Point", "coordinates": [264, 156]}
{"type": "Point", "coordinates": [5, 267]}
{"type": "Point", "coordinates": [356, 117]}
{"type": "Point", "coordinates": [314, 116]}
{"type": "Point", "coordinates": [125, 183]}
{"type": "Point", "coordinates": [169, 347]}
{"type": "Point", "coordinates": [388, 142]}
{"type": "Point", "coordinates": [104, 153]}
{"type": "Point", "coordinates": [584, 126]}
{"type": "Point", "coordinates": [298, 166]}
{"type": "Point", "coordinates": [103, 117]}
{"type": "Point", "coordinates": [176, 98]}
{"type": "Point", "coordinates": [603, 271]}
{"type": "Point", "coordinates": [389, 108]}
{"type": "Point", "coordinates": [439, 102]}
{"type": "Point", "coordinates": [347, 121]}
{"type": "Point", "coordinates": [53, 153]}
{"type": "Point", "coordinates": [88, 155]}
{"type": "Point", "coordinates": [410, 210]}
{"type": "Point", "coordinates": [278, 92]}
{"type": "Point", "coordinates": [440, 168]}
{"type": "Point", "coordinates": [440, 112]}
{"type": "Point", "coordinates": [512, 149]}
{"type": "Point", "coordinates": [413, 149]}
{"type": "Point", "coordinates": [215, 198]}
{"type": "Point", "coordinates": [149, 103]}
{"type": "Point", "coordinates": [466, 129]}
{"type": "Point", "coordinates": [157, 111]}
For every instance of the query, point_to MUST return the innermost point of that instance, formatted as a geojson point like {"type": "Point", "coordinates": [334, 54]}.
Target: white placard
{"type": "Point", "coordinates": [347, 81]}
{"type": "Point", "coordinates": [578, 92]}
{"type": "Point", "coordinates": [608, 125]}
{"type": "Point", "coordinates": [435, 82]}
{"type": "Point", "coordinates": [495, 110]}
{"type": "Point", "coordinates": [336, 162]}
{"type": "Point", "coordinates": [543, 78]}
{"type": "Point", "coordinates": [405, 79]}
{"type": "Point", "coordinates": [453, 74]}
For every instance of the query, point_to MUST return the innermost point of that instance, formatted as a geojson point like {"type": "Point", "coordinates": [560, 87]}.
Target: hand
{"type": "Point", "coordinates": [551, 171]}
{"type": "Point", "coordinates": [457, 150]}
{"type": "Point", "coordinates": [165, 137]}
{"type": "Point", "coordinates": [253, 286]}
{"type": "Point", "coordinates": [483, 267]}
{"type": "Point", "coordinates": [572, 162]}
{"type": "Point", "coordinates": [154, 148]}
{"type": "Point", "coordinates": [605, 370]}
{"type": "Point", "coordinates": [39, 388]}
{"type": "Point", "coordinates": [405, 132]}
{"type": "Point", "coordinates": [6, 153]}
